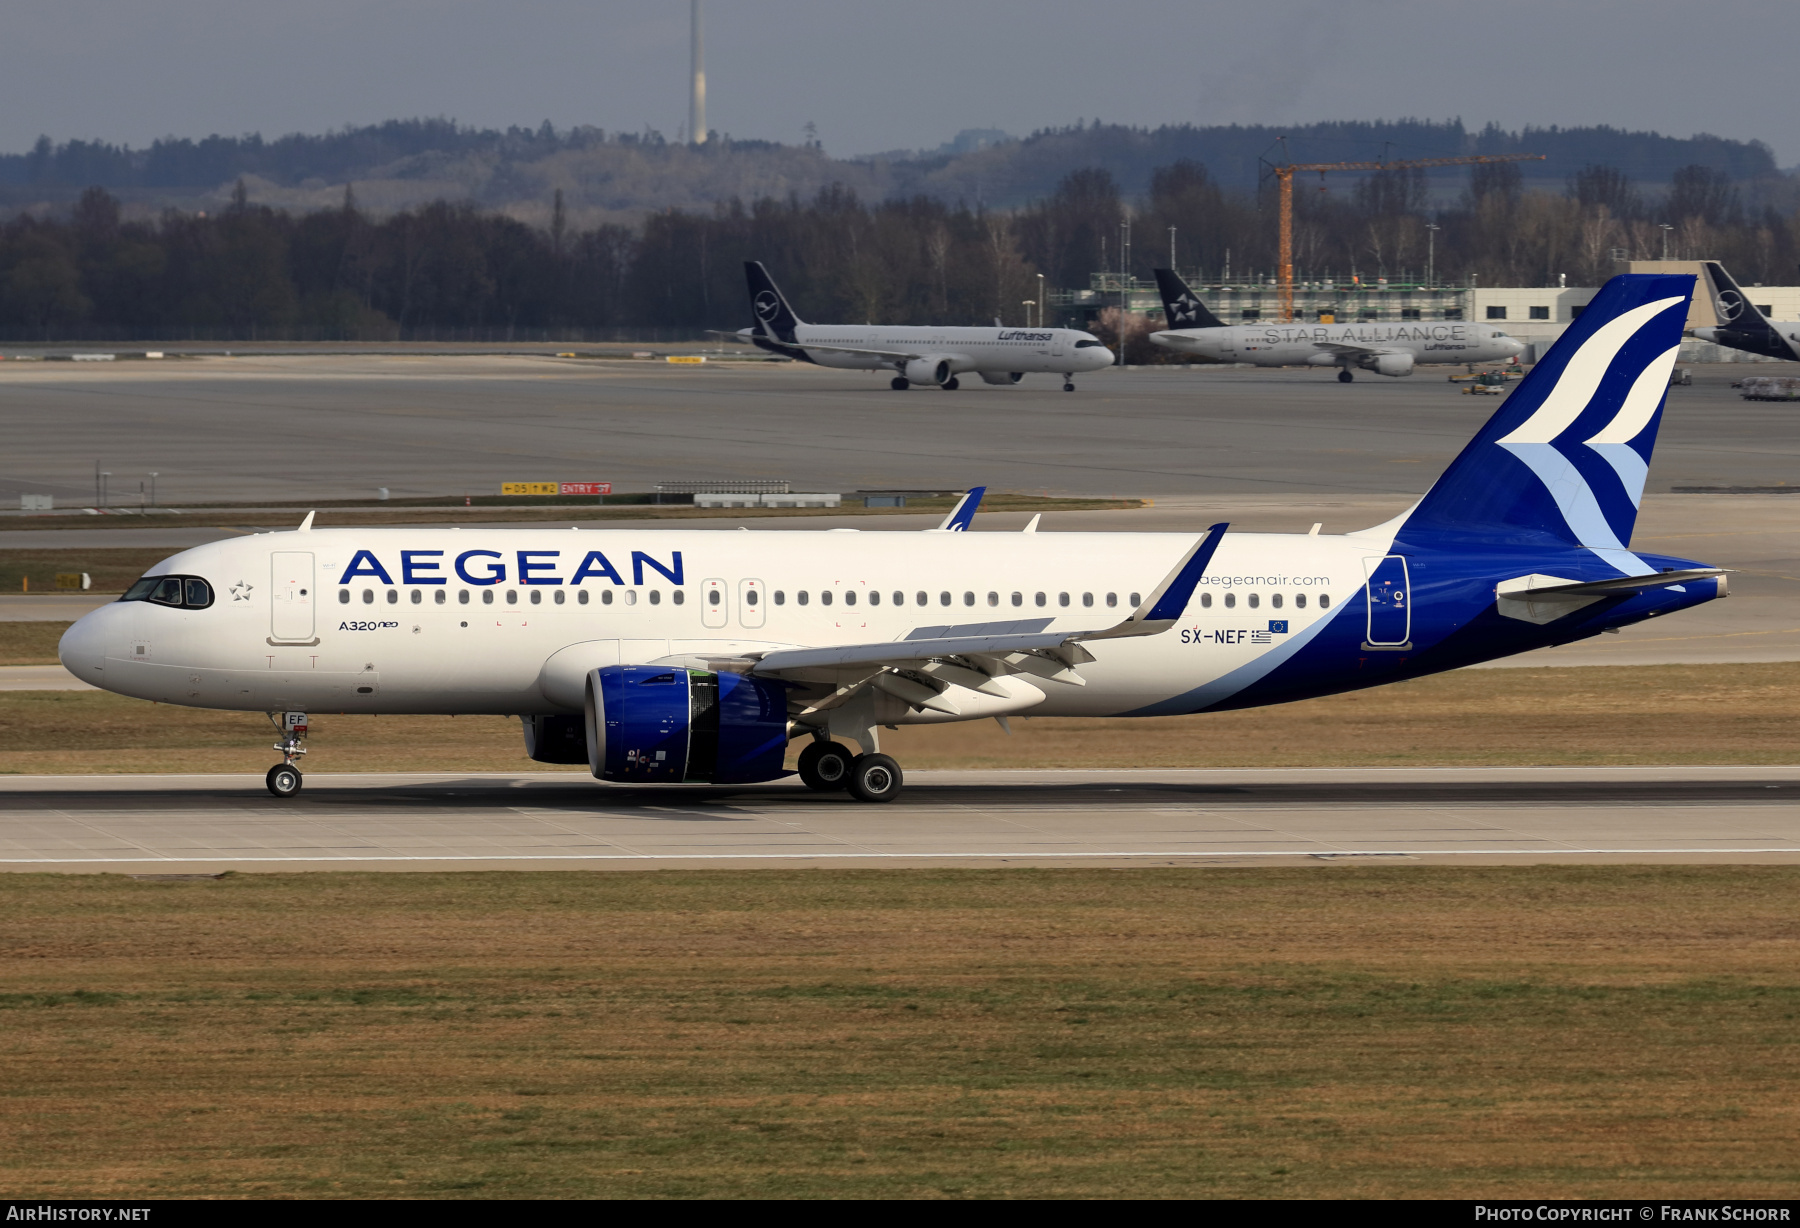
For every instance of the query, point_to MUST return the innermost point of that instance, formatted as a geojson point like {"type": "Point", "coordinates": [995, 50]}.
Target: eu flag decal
{"type": "Point", "coordinates": [1278, 626]}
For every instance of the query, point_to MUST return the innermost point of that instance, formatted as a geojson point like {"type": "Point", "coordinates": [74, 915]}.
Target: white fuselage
{"type": "Point", "coordinates": [1341, 345]}
{"type": "Point", "coordinates": [997, 352]}
{"type": "Point", "coordinates": [305, 620]}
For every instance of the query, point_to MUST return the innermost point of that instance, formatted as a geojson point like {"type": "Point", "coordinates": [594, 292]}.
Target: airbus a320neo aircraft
{"type": "Point", "coordinates": [686, 657]}
{"type": "Point", "coordinates": [1741, 325]}
{"type": "Point", "coordinates": [918, 355]}
{"type": "Point", "coordinates": [1386, 349]}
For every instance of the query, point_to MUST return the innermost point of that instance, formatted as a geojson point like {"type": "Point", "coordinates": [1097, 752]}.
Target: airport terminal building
{"type": "Point", "coordinates": [1535, 315]}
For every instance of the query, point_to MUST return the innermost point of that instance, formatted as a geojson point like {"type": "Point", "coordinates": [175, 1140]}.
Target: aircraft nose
{"type": "Point", "coordinates": [82, 648]}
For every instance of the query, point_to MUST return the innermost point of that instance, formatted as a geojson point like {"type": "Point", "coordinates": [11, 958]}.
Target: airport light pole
{"type": "Point", "coordinates": [152, 488]}
{"type": "Point", "coordinates": [1431, 229]}
{"type": "Point", "coordinates": [1028, 304]}
{"type": "Point", "coordinates": [1040, 300]}
{"type": "Point", "coordinates": [1666, 228]}
{"type": "Point", "coordinates": [1171, 249]}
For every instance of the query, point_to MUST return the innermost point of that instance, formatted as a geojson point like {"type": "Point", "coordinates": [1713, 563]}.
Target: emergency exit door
{"type": "Point", "coordinates": [292, 595]}
{"type": "Point", "coordinates": [1390, 603]}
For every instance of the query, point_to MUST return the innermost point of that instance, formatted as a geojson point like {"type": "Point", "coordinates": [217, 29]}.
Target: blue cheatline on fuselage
{"type": "Point", "coordinates": [1549, 486]}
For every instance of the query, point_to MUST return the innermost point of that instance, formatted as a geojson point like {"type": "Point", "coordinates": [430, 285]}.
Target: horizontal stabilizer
{"type": "Point", "coordinates": [1541, 588]}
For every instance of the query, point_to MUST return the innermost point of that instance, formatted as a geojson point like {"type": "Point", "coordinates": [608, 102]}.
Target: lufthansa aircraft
{"type": "Point", "coordinates": [1741, 325]}
{"type": "Point", "coordinates": [1386, 349]}
{"type": "Point", "coordinates": [918, 355]}
{"type": "Point", "coordinates": [686, 657]}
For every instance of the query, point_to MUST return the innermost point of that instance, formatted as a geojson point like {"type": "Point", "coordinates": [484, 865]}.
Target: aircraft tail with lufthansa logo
{"type": "Point", "coordinates": [1741, 325]}
{"type": "Point", "coordinates": [775, 319]}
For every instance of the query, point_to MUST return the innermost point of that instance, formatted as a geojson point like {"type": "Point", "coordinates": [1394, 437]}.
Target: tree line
{"type": "Point", "coordinates": [456, 271]}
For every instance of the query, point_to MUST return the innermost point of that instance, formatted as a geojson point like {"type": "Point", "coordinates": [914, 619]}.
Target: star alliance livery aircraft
{"type": "Point", "coordinates": [1386, 349]}
{"type": "Point", "coordinates": [1741, 325]}
{"type": "Point", "coordinates": [685, 657]}
{"type": "Point", "coordinates": [918, 355]}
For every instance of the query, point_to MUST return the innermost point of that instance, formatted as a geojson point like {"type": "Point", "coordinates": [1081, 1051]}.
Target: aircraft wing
{"type": "Point", "coordinates": [1019, 646]}
{"type": "Point", "coordinates": [889, 355]}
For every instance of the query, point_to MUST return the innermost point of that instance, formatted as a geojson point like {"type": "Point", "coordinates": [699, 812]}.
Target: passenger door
{"type": "Point", "coordinates": [292, 593]}
{"type": "Point", "coordinates": [1390, 602]}
{"type": "Point", "coordinates": [750, 602]}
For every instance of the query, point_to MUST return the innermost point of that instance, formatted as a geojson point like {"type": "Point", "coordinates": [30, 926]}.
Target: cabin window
{"type": "Point", "coordinates": [1042, 600]}
{"type": "Point", "coordinates": [1231, 601]}
{"type": "Point", "coordinates": [850, 597]}
{"type": "Point", "coordinates": [487, 596]}
{"type": "Point", "coordinates": [874, 596]}
{"type": "Point", "coordinates": [440, 597]}
{"type": "Point", "coordinates": [921, 598]}
{"type": "Point", "coordinates": [1112, 599]}
{"type": "Point", "coordinates": [462, 597]}
{"type": "Point", "coordinates": [581, 596]}
{"type": "Point", "coordinates": [512, 596]}
{"type": "Point", "coordinates": [1136, 601]}
{"type": "Point", "coordinates": [993, 599]}
{"type": "Point", "coordinates": [1018, 599]}
{"type": "Point", "coordinates": [1062, 599]}
{"type": "Point", "coordinates": [943, 598]}
{"type": "Point", "coordinates": [968, 598]}
{"type": "Point", "coordinates": [368, 596]}
{"type": "Point", "coordinates": [1206, 601]}
{"type": "Point", "coordinates": [801, 597]}
{"type": "Point", "coordinates": [712, 596]}
{"type": "Point", "coordinates": [537, 596]}
{"type": "Point", "coordinates": [1254, 601]}
{"type": "Point", "coordinates": [343, 596]}
{"type": "Point", "coordinates": [679, 596]}
{"type": "Point", "coordinates": [824, 596]}
{"type": "Point", "coordinates": [1324, 601]}
{"type": "Point", "coordinates": [750, 597]}
{"type": "Point", "coordinates": [1275, 600]}
{"type": "Point", "coordinates": [631, 596]}
{"type": "Point", "coordinates": [780, 596]}
{"type": "Point", "coordinates": [656, 596]}
{"type": "Point", "coordinates": [559, 596]}
{"type": "Point", "coordinates": [418, 598]}
{"type": "Point", "coordinates": [1087, 599]}
{"type": "Point", "coordinates": [393, 595]}
{"type": "Point", "coordinates": [1299, 601]}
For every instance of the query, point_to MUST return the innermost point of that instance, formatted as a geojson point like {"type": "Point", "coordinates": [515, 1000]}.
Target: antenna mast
{"type": "Point", "coordinates": [697, 102]}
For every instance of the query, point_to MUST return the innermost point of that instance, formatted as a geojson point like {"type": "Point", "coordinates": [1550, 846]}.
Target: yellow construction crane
{"type": "Point", "coordinates": [1285, 173]}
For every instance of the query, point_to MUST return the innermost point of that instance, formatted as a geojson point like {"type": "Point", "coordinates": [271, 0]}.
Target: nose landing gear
{"type": "Point", "coordinates": [1068, 383]}
{"type": "Point", "coordinates": [284, 779]}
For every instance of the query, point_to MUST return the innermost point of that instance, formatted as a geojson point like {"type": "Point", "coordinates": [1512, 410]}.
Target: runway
{"type": "Point", "coordinates": [1463, 816]}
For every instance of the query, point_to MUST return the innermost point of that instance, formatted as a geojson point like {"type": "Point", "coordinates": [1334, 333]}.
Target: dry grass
{"type": "Point", "coordinates": [112, 570]}
{"type": "Point", "coordinates": [1570, 1032]}
{"type": "Point", "coordinates": [30, 643]}
{"type": "Point", "coordinates": [1672, 714]}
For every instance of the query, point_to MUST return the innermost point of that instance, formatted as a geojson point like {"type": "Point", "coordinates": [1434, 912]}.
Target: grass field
{"type": "Point", "coordinates": [1591, 1032]}
{"type": "Point", "coordinates": [1672, 714]}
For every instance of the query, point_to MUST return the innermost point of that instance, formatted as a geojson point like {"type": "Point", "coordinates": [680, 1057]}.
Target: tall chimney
{"type": "Point", "coordinates": [697, 104]}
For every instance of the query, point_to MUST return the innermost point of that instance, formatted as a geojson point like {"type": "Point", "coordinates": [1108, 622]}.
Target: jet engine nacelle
{"type": "Point", "coordinates": [555, 739]}
{"type": "Point", "coordinates": [1392, 364]}
{"type": "Point", "coordinates": [658, 724]}
{"type": "Point", "coordinates": [1002, 377]}
{"type": "Point", "coordinates": [927, 370]}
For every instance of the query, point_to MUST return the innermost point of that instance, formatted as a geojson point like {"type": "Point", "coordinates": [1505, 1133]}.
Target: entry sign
{"type": "Point", "coordinates": [556, 488]}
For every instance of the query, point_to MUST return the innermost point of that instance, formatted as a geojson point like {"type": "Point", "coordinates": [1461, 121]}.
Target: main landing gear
{"type": "Point", "coordinates": [950, 385]}
{"type": "Point", "coordinates": [899, 383]}
{"type": "Point", "coordinates": [1344, 376]}
{"type": "Point", "coordinates": [827, 767]}
{"type": "Point", "coordinates": [284, 779]}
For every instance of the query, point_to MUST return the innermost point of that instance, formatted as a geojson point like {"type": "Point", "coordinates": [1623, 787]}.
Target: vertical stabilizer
{"type": "Point", "coordinates": [774, 318]}
{"type": "Point", "coordinates": [1563, 461]}
{"type": "Point", "coordinates": [1182, 308]}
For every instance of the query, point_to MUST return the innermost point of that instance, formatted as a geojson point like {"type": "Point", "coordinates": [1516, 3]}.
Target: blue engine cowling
{"type": "Point", "coordinates": [658, 724]}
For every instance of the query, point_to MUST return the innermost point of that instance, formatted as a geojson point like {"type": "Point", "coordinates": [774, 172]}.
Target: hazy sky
{"type": "Point", "coordinates": [877, 76]}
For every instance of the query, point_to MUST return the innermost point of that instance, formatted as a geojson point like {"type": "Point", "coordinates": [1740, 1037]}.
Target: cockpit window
{"type": "Point", "coordinates": [185, 592]}
{"type": "Point", "coordinates": [1089, 344]}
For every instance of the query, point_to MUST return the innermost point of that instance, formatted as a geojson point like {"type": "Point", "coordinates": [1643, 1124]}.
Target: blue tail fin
{"type": "Point", "coordinates": [1563, 462]}
{"type": "Point", "coordinates": [1182, 308]}
{"type": "Point", "coordinates": [774, 318]}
